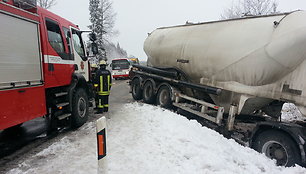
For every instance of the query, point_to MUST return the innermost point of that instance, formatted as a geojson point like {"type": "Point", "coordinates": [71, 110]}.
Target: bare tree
{"type": "Point", "coordinates": [46, 3]}
{"type": "Point", "coordinates": [250, 8]}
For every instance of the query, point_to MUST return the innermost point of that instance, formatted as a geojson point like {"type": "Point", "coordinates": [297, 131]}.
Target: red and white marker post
{"type": "Point", "coordinates": [101, 139]}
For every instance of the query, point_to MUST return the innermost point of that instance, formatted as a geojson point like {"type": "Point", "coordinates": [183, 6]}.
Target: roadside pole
{"type": "Point", "coordinates": [101, 140]}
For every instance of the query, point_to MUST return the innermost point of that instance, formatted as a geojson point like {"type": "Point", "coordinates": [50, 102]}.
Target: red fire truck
{"type": "Point", "coordinates": [44, 69]}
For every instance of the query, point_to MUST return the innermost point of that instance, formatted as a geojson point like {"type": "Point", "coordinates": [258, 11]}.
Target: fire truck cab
{"type": "Point", "coordinates": [44, 69]}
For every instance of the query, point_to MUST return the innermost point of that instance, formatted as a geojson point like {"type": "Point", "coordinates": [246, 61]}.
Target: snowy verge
{"type": "Point", "coordinates": [291, 113]}
{"type": "Point", "coordinates": [147, 139]}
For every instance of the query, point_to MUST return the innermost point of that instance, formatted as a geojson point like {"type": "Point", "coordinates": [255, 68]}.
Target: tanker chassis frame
{"type": "Point", "coordinates": [169, 88]}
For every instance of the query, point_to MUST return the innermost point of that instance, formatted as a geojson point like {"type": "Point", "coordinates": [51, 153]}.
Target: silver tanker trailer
{"type": "Point", "coordinates": [237, 74]}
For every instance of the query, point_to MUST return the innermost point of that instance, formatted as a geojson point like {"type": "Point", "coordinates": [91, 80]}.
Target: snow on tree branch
{"type": "Point", "coordinates": [250, 8]}
{"type": "Point", "coordinates": [46, 3]}
{"type": "Point", "coordinates": [102, 18]}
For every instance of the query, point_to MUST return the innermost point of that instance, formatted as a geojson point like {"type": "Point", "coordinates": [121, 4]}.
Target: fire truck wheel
{"type": "Point", "coordinates": [148, 93]}
{"type": "Point", "coordinates": [136, 89]}
{"type": "Point", "coordinates": [279, 146]}
{"type": "Point", "coordinates": [79, 108]}
{"type": "Point", "coordinates": [164, 97]}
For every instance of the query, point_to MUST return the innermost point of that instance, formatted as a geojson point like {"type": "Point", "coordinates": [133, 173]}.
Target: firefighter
{"type": "Point", "coordinates": [94, 68]}
{"type": "Point", "coordinates": [102, 83]}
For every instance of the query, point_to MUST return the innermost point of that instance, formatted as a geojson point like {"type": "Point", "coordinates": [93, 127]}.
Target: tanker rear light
{"type": "Point", "coordinates": [60, 108]}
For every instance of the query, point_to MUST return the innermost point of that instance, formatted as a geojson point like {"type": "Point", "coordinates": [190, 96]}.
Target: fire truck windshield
{"type": "Point", "coordinates": [78, 43]}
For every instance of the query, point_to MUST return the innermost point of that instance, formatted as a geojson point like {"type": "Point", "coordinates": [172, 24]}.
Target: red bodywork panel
{"type": "Point", "coordinates": [61, 74]}
{"type": "Point", "coordinates": [24, 104]}
{"type": "Point", "coordinates": [21, 105]}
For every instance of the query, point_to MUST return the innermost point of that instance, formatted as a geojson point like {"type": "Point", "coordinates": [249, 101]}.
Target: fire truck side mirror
{"type": "Point", "coordinates": [94, 48]}
{"type": "Point", "coordinates": [92, 37]}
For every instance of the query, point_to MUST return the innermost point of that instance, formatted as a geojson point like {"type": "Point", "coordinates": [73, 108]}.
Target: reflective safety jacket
{"type": "Point", "coordinates": [103, 81]}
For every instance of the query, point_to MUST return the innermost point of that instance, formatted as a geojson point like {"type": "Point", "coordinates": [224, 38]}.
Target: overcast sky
{"type": "Point", "coordinates": [136, 18]}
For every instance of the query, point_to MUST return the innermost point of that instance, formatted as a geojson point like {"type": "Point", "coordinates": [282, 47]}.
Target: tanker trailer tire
{"type": "Point", "coordinates": [136, 89]}
{"type": "Point", "coordinates": [79, 108]}
{"type": "Point", "coordinates": [148, 93]}
{"type": "Point", "coordinates": [164, 97]}
{"type": "Point", "coordinates": [279, 146]}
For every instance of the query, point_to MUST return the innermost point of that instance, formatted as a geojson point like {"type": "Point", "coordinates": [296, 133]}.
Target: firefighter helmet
{"type": "Point", "coordinates": [94, 65]}
{"type": "Point", "coordinates": [102, 62]}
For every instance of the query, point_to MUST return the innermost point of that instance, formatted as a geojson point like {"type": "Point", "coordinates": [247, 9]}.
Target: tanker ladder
{"type": "Point", "coordinates": [208, 111]}
{"type": "Point", "coordinates": [204, 109]}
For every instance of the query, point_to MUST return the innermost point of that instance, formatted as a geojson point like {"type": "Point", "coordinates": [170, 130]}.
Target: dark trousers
{"type": "Point", "coordinates": [102, 103]}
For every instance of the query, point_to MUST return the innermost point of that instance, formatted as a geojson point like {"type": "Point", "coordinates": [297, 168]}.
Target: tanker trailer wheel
{"type": "Point", "coordinates": [136, 89]}
{"type": "Point", "coordinates": [164, 97]}
{"type": "Point", "coordinates": [148, 93]}
{"type": "Point", "coordinates": [79, 108]}
{"type": "Point", "coordinates": [279, 146]}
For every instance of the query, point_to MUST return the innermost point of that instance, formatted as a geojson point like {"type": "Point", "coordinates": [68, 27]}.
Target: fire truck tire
{"type": "Point", "coordinates": [279, 146]}
{"type": "Point", "coordinates": [136, 89]}
{"type": "Point", "coordinates": [148, 93]}
{"type": "Point", "coordinates": [79, 108]}
{"type": "Point", "coordinates": [164, 97]}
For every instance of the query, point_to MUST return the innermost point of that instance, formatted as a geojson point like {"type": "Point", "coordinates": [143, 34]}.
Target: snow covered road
{"type": "Point", "coordinates": [148, 139]}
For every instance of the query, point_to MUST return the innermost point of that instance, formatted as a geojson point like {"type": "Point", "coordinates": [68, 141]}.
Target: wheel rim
{"type": "Point", "coordinates": [82, 107]}
{"type": "Point", "coordinates": [277, 151]}
{"type": "Point", "coordinates": [163, 97]}
{"type": "Point", "coordinates": [148, 91]}
{"type": "Point", "coordinates": [135, 88]}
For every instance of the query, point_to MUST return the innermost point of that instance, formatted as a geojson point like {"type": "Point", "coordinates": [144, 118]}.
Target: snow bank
{"type": "Point", "coordinates": [291, 113]}
{"type": "Point", "coordinates": [148, 139]}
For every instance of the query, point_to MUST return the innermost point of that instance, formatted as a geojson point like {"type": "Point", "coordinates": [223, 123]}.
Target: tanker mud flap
{"type": "Point", "coordinates": [293, 131]}
{"type": "Point", "coordinates": [202, 110]}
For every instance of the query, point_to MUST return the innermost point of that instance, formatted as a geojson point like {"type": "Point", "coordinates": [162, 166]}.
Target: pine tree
{"type": "Point", "coordinates": [102, 18]}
